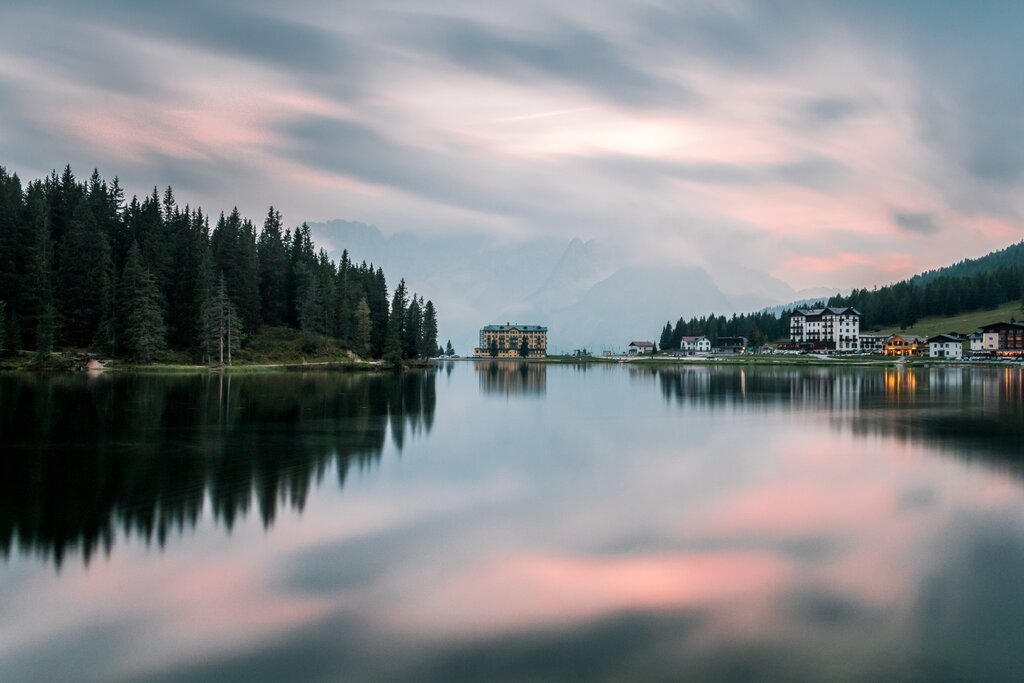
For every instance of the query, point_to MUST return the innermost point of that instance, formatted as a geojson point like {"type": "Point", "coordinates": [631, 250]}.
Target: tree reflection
{"type": "Point", "coordinates": [84, 458]}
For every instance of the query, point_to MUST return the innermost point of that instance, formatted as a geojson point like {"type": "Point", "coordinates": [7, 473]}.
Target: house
{"type": "Point", "coordinates": [873, 343]}
{"type": "Point", "coordinates": [1003, 338]}
{"type": "Point", "coordinates": [691, 345]}
{"type": "Point", "coordinates": [905, 345]}
{"type": "Point", "coordinates": [977, 342]}
{"type": "Point", "coordinates": [732, 345]}
{"type": "Point", "coordinates": [638, 348]}
{"type": "Point", "coordinates": [506, 341]}
{"type": "Point", "coordinates": [949, 346]}
{"type": "Point", "coordinates": [827, 329]}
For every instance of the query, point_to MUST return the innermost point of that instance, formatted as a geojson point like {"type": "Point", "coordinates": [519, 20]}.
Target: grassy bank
{"type": "Point", "coordinates": [965, 322]}
{"type": "Point", "coordinates": [272, 349]}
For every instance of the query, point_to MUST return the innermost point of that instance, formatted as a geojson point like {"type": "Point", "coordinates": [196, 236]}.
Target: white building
{"type": "Point", "coordinates": [946, 346]}
{"type": "Point", "coordinates": [977, 340]}
{"type": "Point", "coordinates": [692, 345]}
{"type": "Point", "coordinates": [830, 328]}
{"type": "Point", "coordinates": [875, 343]}
{"type": "Point", "coordinates": [639, 348]}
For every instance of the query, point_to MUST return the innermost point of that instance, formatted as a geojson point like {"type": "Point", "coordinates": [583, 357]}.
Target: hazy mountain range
{"type": "Point", "coordinates": [584, 291]}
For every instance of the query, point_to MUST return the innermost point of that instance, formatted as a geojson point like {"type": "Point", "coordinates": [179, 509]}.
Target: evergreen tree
{"type": "Point", "coordinates": [272, 264]}
{"type": "Point", "coordinates": [83, 274]}
{"type": "Point", "coordinates": [666, 336]}
{"type": "Point", "coordinates": [449, 350]}
{"type": "Point", "coordinates": [412, 334]}
{"type": "Point", "coordinates": [492, 348]}
{"type": "Point", "coordinates": [144, 332]}
{"type": "Point", "coordinates": [222, 325]}
{"type": "Point", "coordinates": [430, 330]}
{"type": "Point", "coordinates": [45, 332]}
{"type": "Point", "coordinates": [393, 337]}
{"type": "Point", "coordinates": [524, 348]}
{"type": "Point", "coordinates": [363, 329]}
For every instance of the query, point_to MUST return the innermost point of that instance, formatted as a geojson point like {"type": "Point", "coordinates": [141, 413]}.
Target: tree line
{"type": "Point", "coordinates": [904, 303]}
{"type": "Point", "coordinates": [82, 268]}
{"type": "Point", "coordinates": [758, 328]}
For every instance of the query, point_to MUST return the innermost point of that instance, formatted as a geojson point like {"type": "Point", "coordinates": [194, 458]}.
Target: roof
{"type": "Point", "coordinates": [514, 326]}
{"type": "Point", "coordinates": [944, 338]}
{"type": "Point", "coordinates": [732, 340]}
{"type": "Point", "coordinates": [909, 338]}
{"type": "Point", "coordinates": [642, 344]}
{"type": "Point", "coordinates": [693, 339]}
{"type": "Point", "coordinates": [1001, 325]}
{"type": "Point", "coordinates": [828, 310]}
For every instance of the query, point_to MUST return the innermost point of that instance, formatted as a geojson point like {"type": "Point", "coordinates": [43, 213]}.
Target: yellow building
{"type": "Point", "coordinates": [506, 341]}
{"type": "Point", "coordinates": [899, 345]}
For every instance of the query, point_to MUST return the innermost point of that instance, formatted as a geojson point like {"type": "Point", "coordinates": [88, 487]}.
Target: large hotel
{"type": "Point", "coordinates": [506, 341]}
{"type": "Point", "coordinates": [830, 328]}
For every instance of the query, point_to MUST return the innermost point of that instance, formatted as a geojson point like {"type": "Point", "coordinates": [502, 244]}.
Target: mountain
{"type": "Point", "coordinates": [632, 304]}
{"type": "Point", "coordinates": [586, 291]}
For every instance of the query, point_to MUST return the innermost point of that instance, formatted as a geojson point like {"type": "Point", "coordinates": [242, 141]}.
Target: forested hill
{"type": "Point", "coordinates": [82, 268]}
{"type": "Point", "coordinates": [970, 285]}
{"type": "Point", "coordinates": [1012, 256]}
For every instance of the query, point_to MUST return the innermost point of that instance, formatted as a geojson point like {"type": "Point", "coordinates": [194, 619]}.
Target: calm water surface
{"type": "Point", "coordinates": [500, 521]}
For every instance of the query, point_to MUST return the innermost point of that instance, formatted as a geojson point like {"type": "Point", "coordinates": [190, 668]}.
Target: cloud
{"type": "Point", "coordinates": [567, 53]}
{"type": "Point", "coordinates": [919, 223]}
{"type": "Point", "coordinates": [772, 130]}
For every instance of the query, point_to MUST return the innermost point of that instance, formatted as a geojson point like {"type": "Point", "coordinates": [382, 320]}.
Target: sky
{"type": "Point", "coordinates": [840, 144]}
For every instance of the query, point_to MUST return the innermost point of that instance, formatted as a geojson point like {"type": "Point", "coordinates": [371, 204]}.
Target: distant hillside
{"type": "Point", "coordinates": [965, 322]}
{"type": "Point", "coordinates": [1012, 257]}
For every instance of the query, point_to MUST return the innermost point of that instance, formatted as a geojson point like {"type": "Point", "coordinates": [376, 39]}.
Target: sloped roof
{"type": "Point", "coordinates": [940, 338]}
{"type": "Point", "coordinates": [641, 344]}
{"type": "Point", "coordinates": [828, 310]}
{"type": "Point", "coordinates": [514, 326]}
{"type": "Point", "coordinates": [1001, 324]}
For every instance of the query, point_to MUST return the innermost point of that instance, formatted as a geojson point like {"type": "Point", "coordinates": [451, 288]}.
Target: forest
{"type": "Point", "coordinates": [82, 268]}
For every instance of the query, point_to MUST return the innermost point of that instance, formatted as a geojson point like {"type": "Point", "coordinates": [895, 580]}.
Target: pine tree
{"type": "Point", "coordinates": [144, 332]}
{"type": "Point", "coordinates": [363, 329]}
{"type": "Point", "coordinates": [524, 348]}
{"type": "Point", "coordinates": [449, 350]}
{"type": "Point", "coordinates": [222, 325]}
{"type": "Point", "coordinates": [412, 334]}
{"type": "Point", "coordinates": [45, 332]}
{"type": "Point", "coordinates": [430, 330]}
{"type": "Point", "coordinates": [272, 265]}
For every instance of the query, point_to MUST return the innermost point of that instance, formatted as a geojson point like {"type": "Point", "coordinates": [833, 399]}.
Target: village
{"type": "Point", "coordinates": [827, 331]}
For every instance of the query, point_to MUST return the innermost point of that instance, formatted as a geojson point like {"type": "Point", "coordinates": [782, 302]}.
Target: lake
{"type": "Point", "coordinates": [499, 521]}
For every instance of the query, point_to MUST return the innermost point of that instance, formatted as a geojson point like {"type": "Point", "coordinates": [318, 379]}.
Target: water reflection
{"type": "Point", "coordinates": [737, 524]}
{"type": "Point", "coordinates": [141, 454]}
{"type": "Point", "coordinates": [510, 377]}
{"type": "Point", "coordinates": [963, 410]}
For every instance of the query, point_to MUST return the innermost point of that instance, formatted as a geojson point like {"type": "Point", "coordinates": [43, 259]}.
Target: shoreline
{"type": "Point", "coordinates": [754, 359]}
{"type": "Point", "coordinates": [71, 364]}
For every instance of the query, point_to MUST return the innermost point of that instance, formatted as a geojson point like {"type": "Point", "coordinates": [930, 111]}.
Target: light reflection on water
{"type": "Point", "coordinates": [598, 523]}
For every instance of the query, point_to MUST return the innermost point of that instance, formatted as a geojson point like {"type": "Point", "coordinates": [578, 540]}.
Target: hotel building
{"type": "Point", "coordinates": [830, 328]}
{"type": "Point", "coordinates": [505, 341]}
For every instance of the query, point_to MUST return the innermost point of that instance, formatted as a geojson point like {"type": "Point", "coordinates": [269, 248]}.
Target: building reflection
{"type": "Point", "coordinates": [956, 410]}
{"type": "Point", "coordinates": [86, 459]}
{"type": "Point", "coordinates": [509, 377]}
